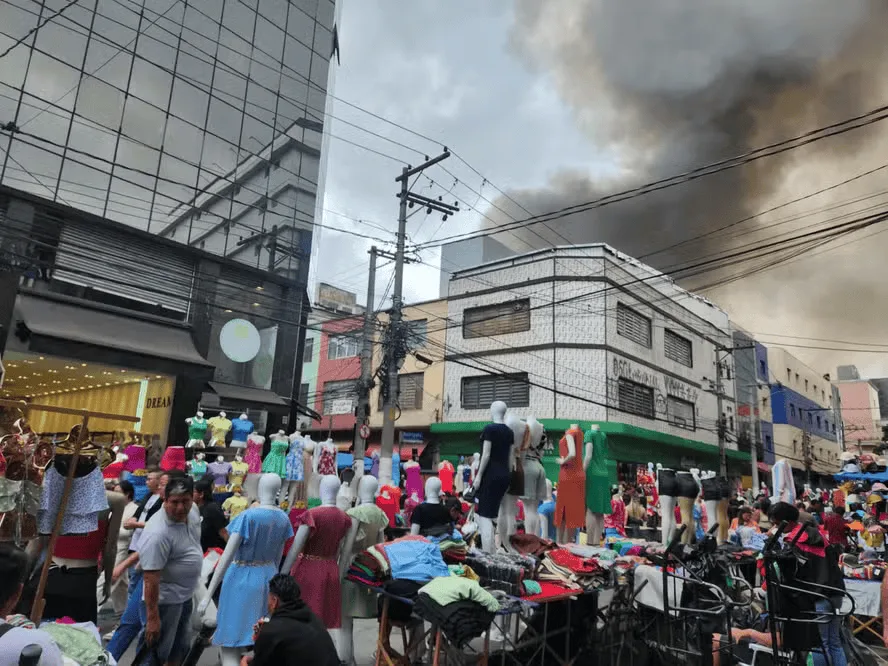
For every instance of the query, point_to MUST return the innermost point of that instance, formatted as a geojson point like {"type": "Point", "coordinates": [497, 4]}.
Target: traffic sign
{"type": "Point", "coordinates": [364, 431]}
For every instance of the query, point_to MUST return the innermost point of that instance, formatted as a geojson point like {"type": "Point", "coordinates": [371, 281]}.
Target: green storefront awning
{"type": "Point", "coordinates": [627, 443]}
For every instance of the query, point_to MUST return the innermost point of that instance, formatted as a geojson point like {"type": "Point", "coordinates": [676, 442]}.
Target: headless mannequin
{"type": "Point", "coordinates": [310, 462]}
{"type": "Point", "coordinates": [711, 506]}
{"type": "Point", "coordinates": [667, 508]}
{"type": "Point", "coordinates": [198, 418]}
{"type": "Point", "coordinates": [432, 496]}
{"type": "Point", "coordinates": [545, 528]}
{"type": "Point", "coordinates": [458, 484]}
{"type": "Point", "coordinates": [240, 443]}
{"type": "Point", "coordinates": [269, 486]}
{"type": "Point", "coordinates": [251, 483]}
{"type": "Point", "coordinates": [507, 521]}
{"type": "Point", "coordinates": [531, 504]}
{"type": "Point", "coordinates": [474, 466]}
{"type": "Point", "coordinates": [295, 491]}
{"type": "Point", "coordinates": [485, 525]}
{"type": "Point", "coordinates": [367, 486]}
{"type": "Point", "coordinates": [686, 507]}
{"type": "Point", "coordinates": [563, 532]}
{"type": "Point", "coordinates": [594, 521]}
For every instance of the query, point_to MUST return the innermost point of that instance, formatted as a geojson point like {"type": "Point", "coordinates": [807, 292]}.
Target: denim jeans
{"type": "Point", "coordinates": [175, 633]}
{"type": "Point", "coordinates": [130, 621]}
{"type": "Point", "coordinates": [830, 638]}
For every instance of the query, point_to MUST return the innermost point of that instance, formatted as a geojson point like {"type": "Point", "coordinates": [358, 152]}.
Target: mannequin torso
{"type": "Point", "coordinates": [241, 428]}
{"type": "Point", "coordinates": [276, 460]}
{"type": "Point", "coordinates": [446, 473]}
{"type": "Point", "coordinates": [220, 426]}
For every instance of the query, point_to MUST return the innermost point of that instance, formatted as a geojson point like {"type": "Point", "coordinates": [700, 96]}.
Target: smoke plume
{"type": "Point", "coordinates": [668, 85]}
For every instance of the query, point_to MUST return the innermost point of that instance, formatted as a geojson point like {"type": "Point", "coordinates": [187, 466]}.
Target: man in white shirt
{"type": "Point", "coordinates": [13, 573]}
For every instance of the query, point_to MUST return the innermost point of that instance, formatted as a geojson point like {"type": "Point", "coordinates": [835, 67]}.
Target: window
{"type": "Point", "coordinates": [410, 390]}
{"type": "Point", "coordinates": [499, 319]}
{"type": "Point", "coordinates": [678, 349]}
{"type": "Point", "coordinates": [339, 396]}
{"type": "Point", "coordinates": [806, 386]}
{"type": "Point", "coordinates": [763, 369]}
{"type": "Point", "coordinates": [417, 333]}
{"type": "Point", "coordinates": [834, 428]}
{"type": "Point", "coordinates": [815, 389]}
{"type": "Point", "coordinates": [792, 410]}
{"type": "Point", "coordinates": [795, 443]}
{"type": "Point", "coordinates": [343, 345]}
{"type": "Point", "coordinates": [826, 425]}
{"type": "Point", "coordinates": [768, 445]}
{"type": "Point", "coordinates": [788, 375]}
{"type": "Point", "coordinates": [636, 398]}
{"type": "Point", "coordinates": [478, 392]}
{"type": "Point", "coordinates": [680, 412]}
{"type": "Point", "coordinates": [818, 423]}
{"type": "Point", "coordinates": [632, 325]}
{"type": "Point", "coordinates": [303, 395]}
{"type": "Point", "coordinates": [797, 379]}
{"type": "Point", "coordinates": [810, 418]}
{"type": "Point", "coordinates": [308, 353]}
{"type": "Point", "coordinates": [731, 423]}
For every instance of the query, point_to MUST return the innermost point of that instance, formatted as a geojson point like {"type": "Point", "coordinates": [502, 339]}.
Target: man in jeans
{"type": "Point", "coordinates": [171, 559]}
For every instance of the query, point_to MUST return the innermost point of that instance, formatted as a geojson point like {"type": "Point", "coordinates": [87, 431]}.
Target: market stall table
{"type": "Point", "coordinates": [867, 613]}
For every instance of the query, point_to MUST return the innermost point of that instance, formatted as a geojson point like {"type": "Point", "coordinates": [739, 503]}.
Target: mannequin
{"type": "Point", "coordinates": [253, 458]}
{"type": "Point", "coordinates": [321, 553]}
{"type": "Point", "coordinates": [197, 428]}
{"type": "Point", "coordinates": [310, 469]}
{"type": "Point", "coordinates": [197, 468]}
{"type": "Point", "coordinates": [711, 498]}
{"type": "Point", "coordinates": [219, 470]}
{"type": "Point", "coordinates": [295, 491]}
{"type": "Point", "coordinates": [473, 467]}
{"type": "Point", "coordinates": [368, 523]}
{"type": "Point", "coordinates": [345, 497]}
{"type": "Point", "coordinates": [570, 503]}
{"type": "Point", "coordinates": [491, 481]}
{"type": "Point", "coordinates": [239, 470]}
{"type": "Point", "coordinates": [667, 488]}
{"type": "Point", "coordinates": [459, 482]}
{"type": "Point", "coordinates": [431, 517]}
{"type": "Point", "coordinates": [236, 504]}
{"type": "Point", "coordinates": [534, 476]}
{"type": "Point", "coordinates": [220, 426]}
{"type": "Point", "coordinates": [135, 456]}
{"type": "Point", "coordinates": [507, 520]}
{"type": "Point", "coordinates": [414, 478]}
{"type": "Point", "coordinates": [598, 495]}
{"type": "Point", "coordinates": [326, 456]}
{"type": "Point", "coordinates": [276, 460]}
{"type": "Point", "coordinates": [687, 491]}
{"type": "Point", "coordinates": [255, 545]}
{"type": "Point", "coordinates": [446, 473]}
{"type": "Point", "coordinates": [547, 511]}
{"type": "Point", "coordinates": [241, 428]}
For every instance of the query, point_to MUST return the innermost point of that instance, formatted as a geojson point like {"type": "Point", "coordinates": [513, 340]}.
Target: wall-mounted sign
{"type": "Point", "coordinates": [158, 402]}
{"type": "Point", "coordinates": [240, 341]}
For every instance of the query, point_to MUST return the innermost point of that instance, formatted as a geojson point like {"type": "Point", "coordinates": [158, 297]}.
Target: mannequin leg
{"type": "Point", "coordinates": [594, 528]}
{"type": "Point", "coordinates": [488, 536]}
{"type": "Point", "coordinates": [564, 534]}
{"type": "Point", "coordinates": [251, 486]}
{"type": "Point", "coordinates": [712, 517]}
{"type": "Point", "coordinates": [531, 518]}
{"type": "Point", "coordinates": [667, 518]}
{"type": "Point", "coordinates": [346, 642]}
{"type": "Point", "coordinates": [545, 529]}
{"type": "Point", "coordinates": [231, 656]}
{"type": "Point", "coordinates": [507, 523]}
{"type": "Point", "coordinates": [686, 506]}
{"type": "Point", "coordinates": [723, 522]}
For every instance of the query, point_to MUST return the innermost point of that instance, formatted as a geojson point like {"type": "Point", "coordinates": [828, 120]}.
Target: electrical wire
{"type": "Point", "coordinates": [34, 30]}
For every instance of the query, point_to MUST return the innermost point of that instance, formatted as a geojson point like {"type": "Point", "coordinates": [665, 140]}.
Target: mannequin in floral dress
{"type": "Point", "coordinates": [295, 481]}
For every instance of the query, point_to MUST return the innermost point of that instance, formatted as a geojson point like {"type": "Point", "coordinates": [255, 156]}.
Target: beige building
{"type": "Point", "coordinates": [421, 383]}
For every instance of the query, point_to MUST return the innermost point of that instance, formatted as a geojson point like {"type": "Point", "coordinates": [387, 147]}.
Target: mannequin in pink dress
{"type": "Point", "coordinates": [414, 478]}
{"type": "Point", "coordinates": [253, 458]}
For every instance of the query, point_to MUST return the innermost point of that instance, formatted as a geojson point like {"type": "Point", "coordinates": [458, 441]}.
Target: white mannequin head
{"type": "Point", "coordinates": [594, 427]}
{"type": "Point", "coordinates": [269, 486]}
{"type": "Point", "coordinates": [121, 457]}
{"type": "Point", "coordinates": [433, 490]}
{"type": "Point", "coordinates": [574, 426]}
{"type": "Point", "coordinates": [328, 442]}
{"type": "Point", "coordinates": [498, 411]}
{"type": "Point", "coordinates": [221, 414]}
{"type": "Point", "coordinates": [243, 416]}
{"type": "Point", "coordinates": [295, 437]}
{"type": "Point", "coordinates": [328, 489]}
{"type": "Point", "coordinates": [199, 415]}
{"type": "Point", "coordinates": [367, 487]}
{"type": "Point", "coordinates": [220, 459]}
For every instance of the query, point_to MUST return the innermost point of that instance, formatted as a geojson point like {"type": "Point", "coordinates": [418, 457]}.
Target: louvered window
{"type": "Point", "coordinates": [499, 319]}
{"type": "Point", "coordinates": [633, 325]}
{"type": "Point", "coordinates": [410, 391]}
{"type": "Point", "coordinates": [339, 397]}
{"type": "Point", "coordinates": [678, 349]}
{"type": "Point", "coordinates": [681, 413]}
{"type": "Point", "coordinates": [636, 398]}
{"type": "Point", "coordinates": [479, 392]}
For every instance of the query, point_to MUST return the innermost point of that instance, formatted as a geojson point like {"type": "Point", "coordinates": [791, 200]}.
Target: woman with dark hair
{"type": "Point", "coordinates": [213, 523]}
{"type": "Point", "coordinates": [294, 636]}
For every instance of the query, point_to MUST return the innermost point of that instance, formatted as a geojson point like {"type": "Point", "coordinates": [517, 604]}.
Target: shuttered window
{"type": "Point", "coordinates": [410, 389]}
{"type": "Point", "coordinates": [479, 392]}
{"type": "Point", "coordinates": [681, 413]}
{"type": "Point", "coordinates": [678, 349]}
{"type": "Point", "coordinates": [339, 397]}
{"type": "Point", "coordinates": [499, 319]}
{"type": "Point", "coordinates": [636, 398]}
{"type": "Point", "coordinates": [633, 325]}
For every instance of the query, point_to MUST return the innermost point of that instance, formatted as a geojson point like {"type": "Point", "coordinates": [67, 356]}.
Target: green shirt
{"type": "Point", "coordinates": [598, 463]}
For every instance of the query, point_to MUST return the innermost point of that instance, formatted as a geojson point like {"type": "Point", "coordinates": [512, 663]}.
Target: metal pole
{"type": "Point", "coordinates": [395, 347]}
{"type": "Point", "coordinates": [363, 409]}
{"type": "Point", "coordinates": [757, 437]}
{"type": "Point", "coordinates": [722, 426]}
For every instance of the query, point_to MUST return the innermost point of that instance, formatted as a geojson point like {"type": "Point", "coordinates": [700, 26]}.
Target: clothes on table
{"type": "Point", "coordinates": [316, 569]}
{"type": "Point", "coordinates": [244, 598]}
{"type": "Point", "coordinates": [235, 505]}
{"type": "Point", "coordinates": [197, 469]}
{"type": "Point", "coordinates": [446, 473]}
{"type": "Point", "coordinates": [17, 638]}
{"type": "Point", "coordinates": [359, 601]}
{"type": "Point", "coordinates": [295, 465]}
{"type": "Point", "coordinates": [135, 458]}
{"type": "Point", "coordinates": [86, 501]}
{"type": "Point", "coordinates": [76, 643]}
{"type": "Point", "coordinates": [414, 559]}
{"type": "Point", "coordinates": [570, 505]}
{"type": "Point", "coordinates": [495, 480]}
{"type": "Point", "coordinates": [173, 458]}
{"type": "Point", "coordinates": [253, 456]}
{"type": "Point", "coordinates": [531, 544]}
{"type": "Point", "coordinates": [460, 621]}
{"type": "Point", "coordinates": [219, 471]}
{"type": "Point", "coordinates": [502, 571]}
{"type": "Point", "coordinates": [454, 588]}
{"type": "Point", "coordinates": [276, 460]}
{"type": "Point", "coordinates": [239, 470]}
{"type": "Point", "coordinates": [241, 429]}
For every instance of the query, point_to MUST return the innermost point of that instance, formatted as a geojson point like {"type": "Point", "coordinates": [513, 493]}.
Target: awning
{"type": "Point", "coordinates": [247, 395]}
{"type": "Point", "coordinates": [102, 328]}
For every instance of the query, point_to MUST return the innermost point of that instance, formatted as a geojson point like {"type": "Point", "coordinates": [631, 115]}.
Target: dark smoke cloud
{"type": "Point", "coordinates": [669, 85]}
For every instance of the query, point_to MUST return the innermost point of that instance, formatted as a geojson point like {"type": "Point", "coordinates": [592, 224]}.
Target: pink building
{"type": "Point", "coordinates": [860, 414]}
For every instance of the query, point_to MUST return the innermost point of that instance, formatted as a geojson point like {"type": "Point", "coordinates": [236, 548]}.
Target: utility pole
{"type": "Point", "coordinates": [396, 348]}
{"type": "Point", "coordinates": [722, 426]}
{"type": "Point", "coordinates": [362, 411]}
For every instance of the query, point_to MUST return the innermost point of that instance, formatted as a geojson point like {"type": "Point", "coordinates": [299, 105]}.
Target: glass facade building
{"type": "Point", "coordinates": [200, 120]}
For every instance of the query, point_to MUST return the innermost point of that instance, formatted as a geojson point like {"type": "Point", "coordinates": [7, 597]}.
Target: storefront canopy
{"type": "Point", "coordinates": [80, 323]}
{"type": "Point", "coordinates": [247, 395]}
{"type": "Point", "coordinates": [861, 476]}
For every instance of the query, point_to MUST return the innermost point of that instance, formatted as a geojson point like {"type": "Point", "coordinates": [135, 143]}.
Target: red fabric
{"type": "Point", "coordinates": [579, 565]}
{"type": "Point", "coordinates": [82, 546]}
{"type": "Point", "coordinates": [390, 505]}
{"type": "Point", "coordinates": [835, 527]}
{"type": "Point", "coordinates": [617, 518]}
{"type": "Point", "coordinates": [294, 522]}
{"type": "Point", "coordinates": [552, 591]}
{"type": "Point", "coordinates": [446, 475]}
{"type": "Point", "coordinates": [802, 544]}
{"type": "Point", "coordinates": [112, 471]}
{"type": "Point", "coordinates": [173, 458]}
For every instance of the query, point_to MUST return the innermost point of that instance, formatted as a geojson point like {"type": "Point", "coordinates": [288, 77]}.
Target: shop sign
{"type": "Point", "coordinates": [412, 437]}
{"type": "Point", "coordinates": [240, 340]}
{"type": "Point", "coordinates": [159, 402]}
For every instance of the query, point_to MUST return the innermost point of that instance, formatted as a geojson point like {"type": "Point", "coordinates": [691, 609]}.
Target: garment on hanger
{"type": "Point", "coordinates": [445, 473]}
{"type": "Point", "coordinates": [197, 429]}
{"type": "Point", "coordinates": [244, 597]}
{"type": "Point", "coordinates": [86, 501]}
{"type": "Point", "coordinates": [219, 471]}
{"type": "Point", "coordinates": [135, 458]}
{"type": "Point", "coordinates": [295, 464]}
{"type": "Point", "coordinates": [598, 495]}
{"type": "Point", "coordinates": [570, 505]}
{"type": "Point", "coordinates": [276, 460]}
{"type": "Point", "coordinates": [71, 591]}
{"type": "Point", "coordinates": [316, 569]}
{"type": "Point", "coordinates": [495, 480]}
{"type": "Point", "coordinates": [327, 459]}
{"type": "Point", "coordinates": [360, 601]}
{"type": "Point", "coordinates": [198, 469]}
{"type": "Point", "coordinates": [219, 429]}
{"type": "Point", "coordinates": [173, 458]}
{"type": "Point", "coordinates": [241, 429]}
{"type": "Point", "coordinates": [239, 471]}
{"type": "Point", "coordinates": [253, 456]}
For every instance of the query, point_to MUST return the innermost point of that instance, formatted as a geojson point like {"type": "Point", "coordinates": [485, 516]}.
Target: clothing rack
{"type": "Point", "coordinates": [25, 408]}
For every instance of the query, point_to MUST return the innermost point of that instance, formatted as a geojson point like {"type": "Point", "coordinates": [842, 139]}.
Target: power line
{"type": "Point", "coordinates": [33, 30]}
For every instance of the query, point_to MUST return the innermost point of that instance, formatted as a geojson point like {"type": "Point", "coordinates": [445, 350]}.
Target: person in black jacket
{"type": "Point", "coordinates": [294, 636]}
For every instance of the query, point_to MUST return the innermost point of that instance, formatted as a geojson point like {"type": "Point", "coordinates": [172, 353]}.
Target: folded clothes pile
{"type": "Point", "coordinates": [502, 571]}
{"type": "Point", "coordinates": [452, 545]}
{"type": "Point", "coordinates": [460, 607]}
{"type": "Point", "coordinates": [409, 558]}
{"type": "Point", "coordinates": [561, 565]}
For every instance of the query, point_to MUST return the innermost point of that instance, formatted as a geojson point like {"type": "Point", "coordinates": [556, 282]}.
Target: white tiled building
{"type": "Point", "coordinates": [616, 340]}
